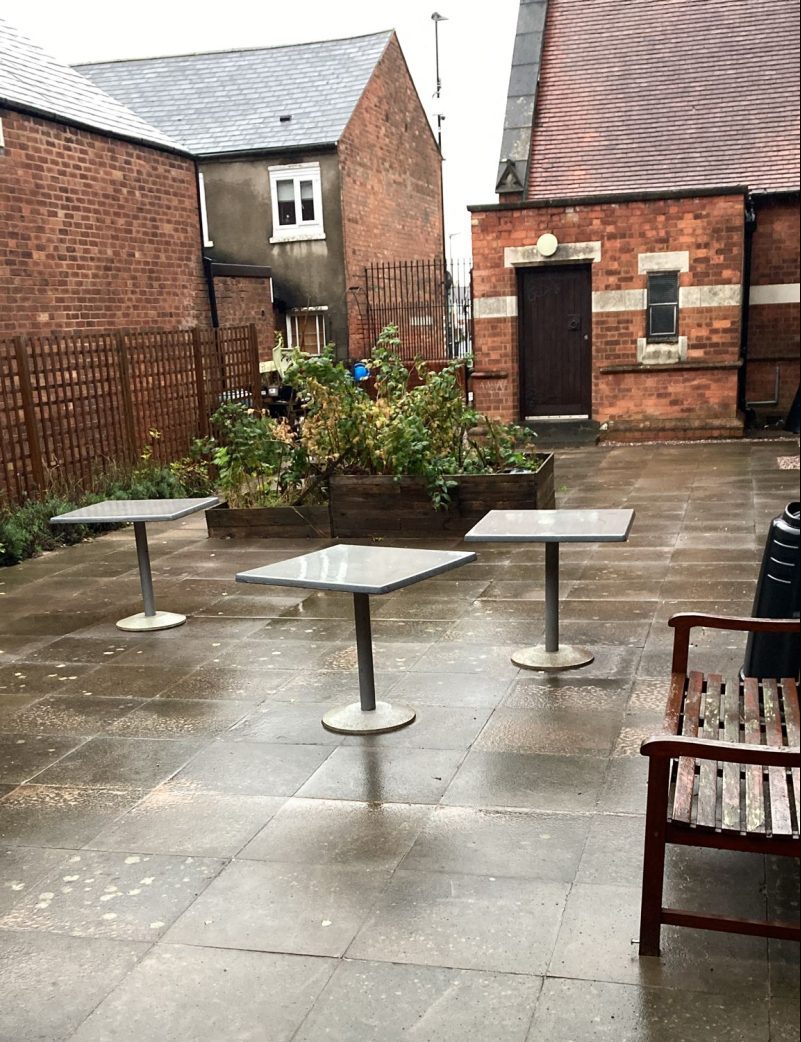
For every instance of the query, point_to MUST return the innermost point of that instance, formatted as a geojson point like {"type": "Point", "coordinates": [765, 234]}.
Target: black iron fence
{"type": "Point", "coordinates": [431, 303]}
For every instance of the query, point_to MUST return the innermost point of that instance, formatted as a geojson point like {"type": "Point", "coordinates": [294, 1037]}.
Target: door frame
{"type": "Point", "coordinates": [575, 265]}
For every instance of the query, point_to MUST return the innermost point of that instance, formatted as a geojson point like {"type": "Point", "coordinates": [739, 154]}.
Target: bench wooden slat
{"type": "Point", "coordinates": [732, 717]}
{"type": "Point", "coordinates": [781, 819]}
{"type": "Point", "coordinates": [789, 697]}
{"type": "Point", "coordinates": [754, 789]}
{"type": "Point", "coordinates": [685, 776]}
{"type": "Point", "coordinates": [708, 771]}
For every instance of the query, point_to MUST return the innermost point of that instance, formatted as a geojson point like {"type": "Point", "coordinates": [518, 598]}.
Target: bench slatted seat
{"type": "Point", "coordinates": [724, 773]}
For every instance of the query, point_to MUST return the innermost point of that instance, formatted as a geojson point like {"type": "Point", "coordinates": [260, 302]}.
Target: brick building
{"type": "Point", "coordinates": [316, 159]}
{"type": "Point", "coordinates": [641, 267]}
{"type": "Point", "coordinates": [99, 225]}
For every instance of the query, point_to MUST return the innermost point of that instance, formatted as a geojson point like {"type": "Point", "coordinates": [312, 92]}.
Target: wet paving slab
{"type": "Point", "coordinates": [473, 876]}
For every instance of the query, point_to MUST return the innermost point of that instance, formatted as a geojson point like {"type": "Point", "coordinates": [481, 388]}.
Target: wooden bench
{"type": "Point", "coordinates": [724, 773]}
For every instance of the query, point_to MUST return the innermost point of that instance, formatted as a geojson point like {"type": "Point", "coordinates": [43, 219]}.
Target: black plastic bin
{"type": "Point", "coordinates": [777, 597]}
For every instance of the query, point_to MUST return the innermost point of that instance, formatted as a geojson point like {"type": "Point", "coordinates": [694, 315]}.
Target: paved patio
{"type": "Point", "coordinates": [187, 856]}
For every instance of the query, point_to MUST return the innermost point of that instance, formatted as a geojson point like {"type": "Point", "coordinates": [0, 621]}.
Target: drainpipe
{"type": "Point", "coordinates": [208, 272]}
{"type": "Point", "coordinates": [748, 249]}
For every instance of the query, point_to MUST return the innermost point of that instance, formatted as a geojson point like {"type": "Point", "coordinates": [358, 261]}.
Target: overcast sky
{"type": "Point", "coordinates": [475, 56]}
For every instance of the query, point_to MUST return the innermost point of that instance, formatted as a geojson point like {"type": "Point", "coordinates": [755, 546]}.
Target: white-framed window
{"type": "Point", "coordinates": [297, 202]}
{"type": "Point", "coordinates": [305, 329]}
{"type": "Point", "coordinates": [204, 219]}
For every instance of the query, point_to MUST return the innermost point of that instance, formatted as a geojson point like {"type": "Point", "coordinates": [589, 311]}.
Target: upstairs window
{"type": "Point", "coordinates": [297, 203]}
{"type": "Point", "coordinates": [663, 306]}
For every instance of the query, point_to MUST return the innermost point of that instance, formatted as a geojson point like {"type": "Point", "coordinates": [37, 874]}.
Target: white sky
{"type": "Point", "coordinates": [475, 57]}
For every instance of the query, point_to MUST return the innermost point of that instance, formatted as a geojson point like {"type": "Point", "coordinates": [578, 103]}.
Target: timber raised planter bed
{"type": "Point", "coordinates": [383, 506]}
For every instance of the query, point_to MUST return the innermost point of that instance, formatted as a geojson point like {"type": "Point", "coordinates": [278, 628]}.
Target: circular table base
{"type": "Point", "coordinates": [141, 623]}
{"type": "Point", "coordinates": [353, 719]}
{"type": "Point", "coordinates": [566, 657]}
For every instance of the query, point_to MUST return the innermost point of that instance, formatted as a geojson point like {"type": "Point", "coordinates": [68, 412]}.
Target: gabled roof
{"type": "Point", "coordinates": [645, 95]}
{"type": "Point", "coordinates": [239, 101]}
{"type": "Point", "coordinates": [31, 81]}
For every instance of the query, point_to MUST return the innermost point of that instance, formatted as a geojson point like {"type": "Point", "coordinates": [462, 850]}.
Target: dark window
{"type": "Point", "coordinates": [306, 201]}
{"type": "Point", "coordinates": [286, 202]}
{"type": "Point", "coordinates": [663, 305]}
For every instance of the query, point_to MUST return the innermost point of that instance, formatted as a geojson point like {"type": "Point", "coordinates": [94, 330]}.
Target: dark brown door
{"type": "Point", "coordinates": [555, 341]}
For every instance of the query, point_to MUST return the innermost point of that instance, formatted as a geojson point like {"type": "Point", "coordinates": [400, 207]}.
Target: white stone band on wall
{"type": "Point", "coordinates": [785, 293]}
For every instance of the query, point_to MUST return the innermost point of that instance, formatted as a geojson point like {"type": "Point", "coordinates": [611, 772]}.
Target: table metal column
{"type": "Point", "coordinates": [551, 657]}
{"type": "Point", "coordinates": [149, 619]}
{"type": "Point", "coordinates": [367, 716]}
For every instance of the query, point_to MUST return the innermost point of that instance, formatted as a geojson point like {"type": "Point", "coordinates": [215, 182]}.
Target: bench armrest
{"type": "Point", "coordinates": [673, 746]}
{"type": "Point", "coordinates": [684, 622]}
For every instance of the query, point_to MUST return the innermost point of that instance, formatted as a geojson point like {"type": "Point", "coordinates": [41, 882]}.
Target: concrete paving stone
{"type": "Point", "coordinates": [119, 763]}
{"type": "Point", "coordinates": [177, 819]}
{"type": "Point", "coordinates": [223, 994]}
{"type": "Point", "coordinates": [733, 589]}
{"type": "Point", "coordinates": [590, 589]}
{"type": "Point", "coordinates": [67, 650]}
{"type": "Point", "coordinates": [489, 659]}
{"type": "Point", "coordinates": [785, 1023]}
{"type": "Point", "coordinates": [23, 756]}
{"type": "Point", "coordinates": [501, 611]}
{"type": "Point", "coordinates": [21, 868]}
{"type": "Point", "coordinates": [380, 775]}
{"type": "Point", "coordinates": [516, 590]}
{"type": "Point", "coordinates": [554, 731]}
{"type": "Point", "coordinates": [411, 631]}
{"type": "Point", "coordinates": [226, 683]}
{"type": "Point", "coordinates": [635, 570]}
{"type": "Point", "coordinates": [442, 689]}
{"type": "Point", "coordinates": [502, 631]}
{"type": "Point", "coordinates": [252, 768]}
{"type": "Point", "coordinates": [131, 897]}
{"type": "Point", "coordinates": [26, 648]}
{"type": "Point", "coordinates": [34, 622]}
{"type": "Point", "coordinates": [599, 610]}
{"type": "Point", "coordinates": [330, 686]}
{"type": "Point", "coordinates": [474, 841]}
{"type": "Point", "coordinates": [60, 816]}
{"type": "Point", "coordinates": [369, 1000]}
{"type": "Point", "coordinates": [506, 925]}
{"type": "Point", "coordinates": [234, 604]}
{"type": "Point", "coordinates": [85, 715]}
{"type": "Point", "coordinates": [289, 723]}
{"type": "Point", "coordinates": [559, 694]}
{"type": "Point", "coordinates": [569, 784]}
{"type": "Point", "coordinates": [36, 1005]}
{"type": "Point", "coordinates": [6, 789]}
{"type": "Point", "coordinates": [724, 557]}
{"type": "Point", "coordinates": [120, 681]}
{"type": "Point", "coordinates": [35, 679]}
{"type": "Point", "coordinates": [419, 609]}
{"type": "Point", "coordinates": [175, 648]}
{"type": "Point", "coordinates": [435, 727]}
{"type": "Point", "coordinates": [625, 786]}
{"type": "Point", "coordinates": [323, 604]}
{"type": "Point", "coordinates": [592, 1011]}
{"type": "Point", "coordinates": [726, 662]}
{"type": "Point", "coordinates": [271, 906]}
{"type": "Point", "coordinates": [394, 658]}
{"type": "Point", "coordinates": [180, 718]}
{"type": "Point", "coordinates": [595, 943]}
{"type": "Point", "coordinates": [316, 631]}
{"type": "Point", "coordinates": [333, 832]}
{"type": "Point", "coordinates": [271, 655]}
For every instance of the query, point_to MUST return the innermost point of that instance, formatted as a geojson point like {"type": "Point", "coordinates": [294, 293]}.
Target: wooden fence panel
{"type": "Point", "coordinates": [71, 404]}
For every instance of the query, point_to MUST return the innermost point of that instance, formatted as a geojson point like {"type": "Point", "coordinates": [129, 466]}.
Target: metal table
{"type": "Point", "coordinates": [140, 511]}
{"type": "Point", "coordinates": [362, 571]}
{"type": "Point", "coordinates": [552, 527]}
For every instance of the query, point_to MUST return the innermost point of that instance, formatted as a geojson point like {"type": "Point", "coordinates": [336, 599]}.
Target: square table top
{"type": "Point", "coordinates": [358, 569]}
{"type": "Point", "coordinates": [113, 511]}
{"type": "Point", "coordinates": [553, 526]}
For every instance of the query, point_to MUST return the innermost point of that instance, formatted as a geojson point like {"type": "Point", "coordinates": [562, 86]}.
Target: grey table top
{"type": "Point", "coordinates": [358, 569]}
{"type": "Point", "coordinates": [113, 511]}
{"type": "Point", "coordinates": [553, 526]}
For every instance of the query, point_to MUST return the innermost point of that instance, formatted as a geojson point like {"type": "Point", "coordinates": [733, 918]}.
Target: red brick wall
{"type": "Point", "coordinates": [241, 301]}
{"type": "Point", "coordinates": [773, 329]}
{"type": "Point", "coordinates": [391, 189]}
{"type": "Point", "coordinates": [710, 229]}
{"type": "Point", "coordinates": [95, 233]}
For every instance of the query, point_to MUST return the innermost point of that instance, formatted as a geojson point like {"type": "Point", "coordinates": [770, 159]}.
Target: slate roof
{"type": "Point", "coordinates": [32, 81]}
{"type": "Point", "coordinates": [233, 101]}
{"type": "Point", "coordinates": [641, 95]}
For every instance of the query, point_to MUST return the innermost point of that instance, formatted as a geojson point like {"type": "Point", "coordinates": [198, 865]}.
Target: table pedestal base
{"type": "Point", "coordinates": [141, 623]}
{"type": "Point", "coordinates": [353, 719]}
{"type": "Point", "coordinates": [566, 657]}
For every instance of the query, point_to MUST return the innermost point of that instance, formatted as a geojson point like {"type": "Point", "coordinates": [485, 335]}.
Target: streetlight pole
{"type": "Point", "coordinates": [436, 18]}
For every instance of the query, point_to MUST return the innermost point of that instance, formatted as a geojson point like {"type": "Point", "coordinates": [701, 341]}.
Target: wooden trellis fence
{"type": "Point", "coordinates": [70, 404]}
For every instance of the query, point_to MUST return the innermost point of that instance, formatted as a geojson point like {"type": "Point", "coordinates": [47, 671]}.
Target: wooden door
{"type": "Point", "coordinates": [555, 341]}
